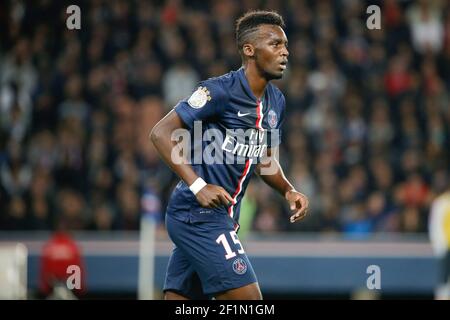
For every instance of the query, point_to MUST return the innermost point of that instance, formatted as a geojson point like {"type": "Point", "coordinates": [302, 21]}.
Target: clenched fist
{"type": "Point", "coordinates": [212, 196]}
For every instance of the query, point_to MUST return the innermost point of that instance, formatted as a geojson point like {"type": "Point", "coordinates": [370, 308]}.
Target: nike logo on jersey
{"type": "Point", "coordinates": [243, 114]}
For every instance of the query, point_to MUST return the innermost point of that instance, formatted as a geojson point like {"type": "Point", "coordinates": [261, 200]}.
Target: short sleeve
{"type": "Point", "coordinates": [205, 103]}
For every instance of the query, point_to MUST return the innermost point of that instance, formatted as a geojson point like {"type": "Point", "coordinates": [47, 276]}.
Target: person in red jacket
{"type": "Point", "coordinates": [62, 268]}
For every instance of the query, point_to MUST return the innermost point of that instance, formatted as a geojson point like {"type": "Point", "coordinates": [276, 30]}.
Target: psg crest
{"type": "Point", "coordinates": [239, 266]}
{"type": "Point", "coordinates": [272, 119]}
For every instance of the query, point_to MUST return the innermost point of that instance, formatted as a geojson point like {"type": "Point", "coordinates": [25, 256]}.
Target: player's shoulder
{"type": "Point", "coordinates": [221, 86]}
{"type": "Point", "coordinates": [224, 81]}
{"type": "Point", "coordinates": [218, 85]}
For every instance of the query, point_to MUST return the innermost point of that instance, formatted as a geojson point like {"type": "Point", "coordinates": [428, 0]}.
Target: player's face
{"type": "Point", "coordinates": [271, 51]}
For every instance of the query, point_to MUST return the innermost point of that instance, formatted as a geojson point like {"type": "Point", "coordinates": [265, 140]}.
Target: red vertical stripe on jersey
{"type": "Point", "coordinates": [259, 114]}
{"type": "Point", "coordinates": [248, 163]}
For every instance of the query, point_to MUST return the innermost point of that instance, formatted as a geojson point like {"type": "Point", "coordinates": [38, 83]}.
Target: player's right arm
{"type": "Point", "coordinates": [210, 196]}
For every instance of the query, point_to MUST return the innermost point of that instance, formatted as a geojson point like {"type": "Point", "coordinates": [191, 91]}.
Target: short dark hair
{"type": "Point", "coordinates": [250, 21]}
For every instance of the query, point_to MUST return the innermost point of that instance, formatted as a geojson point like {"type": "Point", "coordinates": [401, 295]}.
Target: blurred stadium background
{"type": "Point", "coordinates": [366, 138]}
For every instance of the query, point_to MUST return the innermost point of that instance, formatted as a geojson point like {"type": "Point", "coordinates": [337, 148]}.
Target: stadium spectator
{"type": "Point", "coordinates": [59, 254]}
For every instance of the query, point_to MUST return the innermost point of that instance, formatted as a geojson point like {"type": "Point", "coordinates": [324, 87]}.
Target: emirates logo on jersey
{"type": "Point", "coordinates": [235, 142]}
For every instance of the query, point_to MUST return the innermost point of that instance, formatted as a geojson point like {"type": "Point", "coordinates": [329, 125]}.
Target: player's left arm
{"type": "Point", "coordinates": [271, 172]}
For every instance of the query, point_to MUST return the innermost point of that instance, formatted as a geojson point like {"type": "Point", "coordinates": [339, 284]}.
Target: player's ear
{"type": "Point", "coordinates": [249, 50]}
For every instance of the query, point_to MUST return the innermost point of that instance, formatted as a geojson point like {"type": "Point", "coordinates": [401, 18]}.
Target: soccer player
{"type": "Point", "coordinates": [202, 216]}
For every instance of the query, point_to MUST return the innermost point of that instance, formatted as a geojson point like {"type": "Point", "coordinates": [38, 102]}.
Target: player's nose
{"type": "Point", "coordinates": [285, 51]}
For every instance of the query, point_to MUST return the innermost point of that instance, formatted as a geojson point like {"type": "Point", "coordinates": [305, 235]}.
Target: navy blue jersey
{"type": "Point", "coordinates": [237, 130]}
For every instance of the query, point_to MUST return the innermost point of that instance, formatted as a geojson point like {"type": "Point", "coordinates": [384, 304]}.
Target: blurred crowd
{"type": "Point", "coordinates": [366, 136]}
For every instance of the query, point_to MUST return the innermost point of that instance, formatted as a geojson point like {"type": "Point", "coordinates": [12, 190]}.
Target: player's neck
{"type": "Point", "coordinates": [255, 80]}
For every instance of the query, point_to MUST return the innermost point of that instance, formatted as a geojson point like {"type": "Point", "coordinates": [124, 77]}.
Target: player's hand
{"type": "Point", "coordinates": [298, 204]}
{"type": "Point", "coordinates": [212, 196]}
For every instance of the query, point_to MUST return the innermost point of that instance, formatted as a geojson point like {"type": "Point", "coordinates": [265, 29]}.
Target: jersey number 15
{"type": "Point", "coordinates": [230, 253]}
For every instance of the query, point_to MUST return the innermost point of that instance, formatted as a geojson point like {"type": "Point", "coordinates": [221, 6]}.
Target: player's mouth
{"type": "Point", "coordinates": [283, 65]}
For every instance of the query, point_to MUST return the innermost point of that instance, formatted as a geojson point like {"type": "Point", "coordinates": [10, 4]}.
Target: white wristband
{"type": "Point", "coordinates": [197, 185]}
